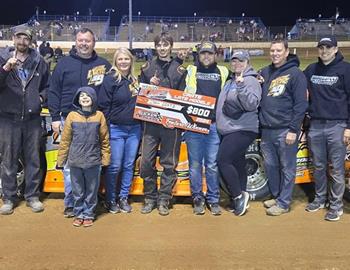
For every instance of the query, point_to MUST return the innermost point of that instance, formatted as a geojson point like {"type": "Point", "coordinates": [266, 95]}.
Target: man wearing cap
{"type": "Point", "coordinates": [282, 110]}
{"type": "Point", "coordinates": [82, 67]}
{"type": "Point", "coordinates": [329, 133]}
{"type": "Point", "coordinates": [205, 78]}
{"type": "Point", "coordinates": [24, 79]}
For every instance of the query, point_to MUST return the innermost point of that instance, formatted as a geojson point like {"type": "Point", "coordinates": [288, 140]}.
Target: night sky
{"type": "Point", "coordinates": [273, 13]}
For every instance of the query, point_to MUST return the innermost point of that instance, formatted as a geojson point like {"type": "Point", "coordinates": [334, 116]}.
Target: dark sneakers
{"type": "Point", "coordinates": [163, 208]}
{"type": "Point", "coordinates": [231, 206]}
{"type": "Point", "coordinates": [68, 212]}
{"type": "Point", "coordinates": [7, 208]}
{"type": "Point", "coordinates": [148, 207]}
{"type": "Point", "coordinates": [241, 203]}
{"type": "Point", "coordinates": [124, 206]}
{"type": "Point", "coordinates": [333, 215]}
{"type": "Point", "coordinates": [198, 206]}
{"type": "Point", "coordinates": [314, 206]}
{"type": "Point", "coordinates": [214, 209]}
{"type": "Point", "coordinates": [112, 207]}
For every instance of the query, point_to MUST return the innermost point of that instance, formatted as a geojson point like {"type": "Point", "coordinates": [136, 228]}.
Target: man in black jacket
{"type": "Point", "coordinates": [82, 67]}
{"type": "Point", "coordinates": [282, 110]}
{"type": "Point", "coordinates": [329, 110]}
{"type": "Point", "coordinates": [167, 72]}
{"type": "Point", "coordinates": [24, 79]}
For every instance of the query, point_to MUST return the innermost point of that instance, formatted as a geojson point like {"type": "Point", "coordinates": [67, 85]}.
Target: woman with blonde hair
{"type": "Point", "coordinates": [117, 98]}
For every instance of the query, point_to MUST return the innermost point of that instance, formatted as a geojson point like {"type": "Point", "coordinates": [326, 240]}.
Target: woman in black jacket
{"type": "Point", "coordinates": [117, 100]}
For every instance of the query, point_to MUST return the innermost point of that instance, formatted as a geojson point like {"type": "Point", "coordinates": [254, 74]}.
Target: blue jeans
{"type": "Point", "coordinates": [85, 184]}
{"type": "Point", "coordinates": [326, 145]}
{"type": "Point", "coordinates": [203, 148]}
{"type": "Point", "coordinates": [68, 194]}
{"type": "Point", "coordinates": [280, 164]}
{"type": "Point", "coordinates": [124, 140]}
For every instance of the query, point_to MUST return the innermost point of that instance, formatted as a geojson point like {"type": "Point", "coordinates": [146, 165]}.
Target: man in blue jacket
{"type": "Point", "coordinates": [282, 110]}
{"type": "Point", "coordinates": [329, 88]}
{"type": "Point", "coordinates": [24, 77]}
{"type": "Point", "coordinates": [82, 67]}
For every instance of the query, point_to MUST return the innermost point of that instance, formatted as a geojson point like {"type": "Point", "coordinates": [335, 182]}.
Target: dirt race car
{"type": "Point", "coordinates": [257, 181]}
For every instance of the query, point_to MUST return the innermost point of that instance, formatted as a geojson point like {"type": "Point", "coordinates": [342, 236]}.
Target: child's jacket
{"type": "Point", "coordinates": [85, 139]}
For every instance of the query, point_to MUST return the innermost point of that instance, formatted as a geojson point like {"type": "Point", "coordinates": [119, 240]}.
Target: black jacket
{"type": "Point", "coordinates": [117, 100]}
{"type": "Point", "coordinates": [171, 74]}
{"type": "Point", "coordinates": [20, 98]}
{"type": "Point", "coordinates": [329, 89]}
{"type": "Point", "coordinates": [71, 73]}
{"type": "Point", "coordinates": [284, 96]}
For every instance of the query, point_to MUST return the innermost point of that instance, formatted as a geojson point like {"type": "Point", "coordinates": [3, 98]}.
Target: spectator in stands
{"type": "Point", "coordinates": [167, 72]}
{"type": "Point", "coordinates": [58, 53]}
{"type": "Point", "coordinates": [117, 101]}
{"type": "Point", "coordinates": [205, 78]}
{"type": "Point", "coordinates": [237, 121]}
{"type": "Point", "coordinates": [24, 79]}
{"type": "Point", "coordinates": [82, 67]}
{"type": "Point", "coordinates": [42, 48]}
{"type": "Point", "coordinates": [48, 54]}
{"type": "Point", "coordinates": [284, 92]}
{"type": "Point", "coordinates": [329, 133]}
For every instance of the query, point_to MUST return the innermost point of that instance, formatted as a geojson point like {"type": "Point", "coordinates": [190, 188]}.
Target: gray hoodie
{"type": "Point", "coordinates": [237, 106]}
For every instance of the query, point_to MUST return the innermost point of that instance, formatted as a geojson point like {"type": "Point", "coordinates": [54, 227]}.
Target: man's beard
{"type": "Point", "coordinates": [22, 48]}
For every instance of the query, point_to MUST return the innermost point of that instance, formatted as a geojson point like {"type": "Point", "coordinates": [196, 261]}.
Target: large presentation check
{"type": "Point", "coordinates": [174, 109]}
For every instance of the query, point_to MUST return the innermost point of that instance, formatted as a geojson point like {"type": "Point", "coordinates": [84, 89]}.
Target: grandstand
{"type": "Point", "coordinates": [183, 29]}
{"type": "Point", "coordinates": [313, 29]}
{"type": "Point", "coordinates": [64, 27]}
{"type": "Point", "coordinates": [194, 29]}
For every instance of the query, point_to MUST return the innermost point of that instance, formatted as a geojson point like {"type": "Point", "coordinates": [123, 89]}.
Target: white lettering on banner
{"type": "Point", "coordinates": [324, 80]}
{"type": "Point", "coordinates": [208, 76]}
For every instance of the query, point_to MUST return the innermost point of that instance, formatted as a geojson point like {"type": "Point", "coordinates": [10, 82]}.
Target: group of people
{"type": "Point", "coordinates": [92, 102]}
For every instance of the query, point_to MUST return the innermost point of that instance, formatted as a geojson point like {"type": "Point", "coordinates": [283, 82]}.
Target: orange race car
{"type": "Point", "coordinates": [256, 186]}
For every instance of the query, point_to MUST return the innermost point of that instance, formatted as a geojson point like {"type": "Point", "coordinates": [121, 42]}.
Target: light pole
{"type": "Point", "coordinates": [139, 14]}
{"type": "Point", "coordinates": [194, 17]}
{"type": "Point", "coordinates": [37, 13]}
{"type": "Point", "coordinates": [130, 25]}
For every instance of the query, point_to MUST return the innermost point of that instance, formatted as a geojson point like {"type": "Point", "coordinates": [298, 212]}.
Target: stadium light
{"type": "Point", "coordinates": [109, 10]}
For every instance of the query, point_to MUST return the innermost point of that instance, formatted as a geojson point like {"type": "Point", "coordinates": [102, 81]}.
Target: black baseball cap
{"type": "Point", "coordinates": [328, 41]}
{"type": "Point", "coordinates": [207, 46]}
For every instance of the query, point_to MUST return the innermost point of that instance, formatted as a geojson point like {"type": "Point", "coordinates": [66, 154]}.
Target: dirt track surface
{"type": "Point", "coordinates": [297, 240]}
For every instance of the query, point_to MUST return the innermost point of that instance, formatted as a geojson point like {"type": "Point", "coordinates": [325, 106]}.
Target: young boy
{"type": "Point", "coordinates": [85, 147]}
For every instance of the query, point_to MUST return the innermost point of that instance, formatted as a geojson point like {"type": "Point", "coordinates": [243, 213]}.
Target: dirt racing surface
{"type": "Point", "coordinates": [297, 240]}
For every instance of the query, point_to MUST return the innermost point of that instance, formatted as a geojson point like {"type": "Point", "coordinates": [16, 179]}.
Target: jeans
{"type": "Point", "coordinates": [85, 184]}
{"type": "Point", "coordinates": [232, 162]}
{"type": "Point", "coordinates": [16, 138]}
{"type": "Point", "coordinates": [169, 141]}
{"type": "Point", "coordinates": [68, 194]}
{"type": "Point", "coordinates": [326, 144]}
{"type": "Point", "coordinates": [203, 148]}
{"type": "Point", "coordinates": [124, 140]}
{"type": "Point", "coordinates": [280, 164]}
